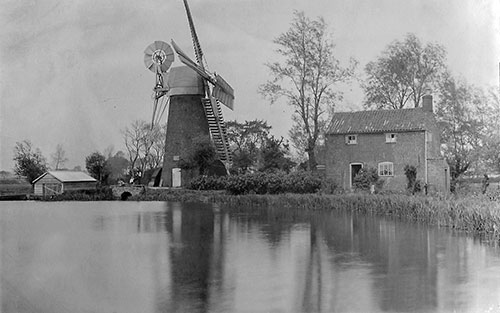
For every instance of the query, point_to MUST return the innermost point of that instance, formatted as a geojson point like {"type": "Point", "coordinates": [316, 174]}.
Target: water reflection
{"type": "Point", "coordinates": [173, 257]}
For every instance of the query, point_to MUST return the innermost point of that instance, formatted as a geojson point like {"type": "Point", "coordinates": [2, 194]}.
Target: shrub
{"type": "Point", "coordinates": [365, 178]}
{"type": "Point", "coordinates": [303, 182]}
{"type": "Point", "coordinates": [413, 185]}
{"type": "Point", "coordinates": [265, 183]}
{"type": "Point", "coordinates": [100, 194]}
{"type": "Point", "coordinates": [328, 186]}
{"type": "Point", "coordinates": [208, 183]}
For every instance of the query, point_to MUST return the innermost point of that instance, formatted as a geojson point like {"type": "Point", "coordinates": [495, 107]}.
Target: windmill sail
{"type": "Point", "coordinates": [221, 92]}
{"type": "Point", "coordinates": [194, 36]}
{"type": "Point", "coordinates": [190, 63]}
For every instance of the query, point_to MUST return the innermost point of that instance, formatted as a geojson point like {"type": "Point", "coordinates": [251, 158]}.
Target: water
{"type": "Point", "coordinates": [173, 257]}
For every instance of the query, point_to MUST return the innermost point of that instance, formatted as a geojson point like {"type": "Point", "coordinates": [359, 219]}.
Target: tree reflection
{"type": "Point", "coordinates": [402, 257]}
{"type": "Point", "coordinates": [313, 283]}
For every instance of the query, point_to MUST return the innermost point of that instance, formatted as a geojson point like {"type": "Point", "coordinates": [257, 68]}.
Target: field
{"type": "Point", "coordinates": [13, 186]}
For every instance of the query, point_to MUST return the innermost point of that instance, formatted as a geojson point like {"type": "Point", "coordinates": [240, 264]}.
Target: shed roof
{"type": "Point", "coordinates": [379, 121]}
{"type": "Point", "coordinates": [68, 176]}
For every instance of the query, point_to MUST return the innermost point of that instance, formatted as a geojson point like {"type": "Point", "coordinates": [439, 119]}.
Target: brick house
{"type": "Point", "coordinates": [387, 140]}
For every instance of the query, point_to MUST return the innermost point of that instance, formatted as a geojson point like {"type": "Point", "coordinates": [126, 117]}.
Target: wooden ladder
{"type": "Point", "coordinates": [217, 127]}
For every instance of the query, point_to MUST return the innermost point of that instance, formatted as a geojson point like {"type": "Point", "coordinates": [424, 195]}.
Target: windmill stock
{"type": "Point", "coordinates": [193, 97]}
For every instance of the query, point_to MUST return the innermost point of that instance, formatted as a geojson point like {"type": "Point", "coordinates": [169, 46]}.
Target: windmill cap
{"type": "Point", "coordinates": [184, 81]}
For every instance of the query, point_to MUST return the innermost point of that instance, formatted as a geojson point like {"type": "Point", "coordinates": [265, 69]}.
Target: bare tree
{"type": "Point", "coordinates": [133, 137]}
{"type": "Point", "coordinates": [402, 73]}
{"type": "Point", "coordinates": [306, 77]}
{"type": "Point", "coordinates": [150, 145]}
{"type": "Point", "coordinates": [157, 151]}
{"type": "Point", "coordinates": [109, 151]}
{"type": "Point", "coordinates": [59, 157]}
{"type": "Point", "coordinates": [145, 145]}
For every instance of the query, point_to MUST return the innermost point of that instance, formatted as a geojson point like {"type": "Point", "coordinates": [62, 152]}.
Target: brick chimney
{"type": "Point", "coordinates": [427, 105]}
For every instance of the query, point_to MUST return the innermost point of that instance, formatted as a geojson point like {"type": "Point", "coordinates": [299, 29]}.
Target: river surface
{"type": "Point", "coordinates": [177, 257]}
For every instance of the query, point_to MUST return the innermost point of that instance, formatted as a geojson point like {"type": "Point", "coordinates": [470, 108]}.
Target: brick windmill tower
{"type": "Point", "coordinates": [194, 96]}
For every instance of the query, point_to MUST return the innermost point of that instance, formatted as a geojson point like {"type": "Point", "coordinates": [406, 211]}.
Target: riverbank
{"type": "Point", "coordinates": [477, 215]}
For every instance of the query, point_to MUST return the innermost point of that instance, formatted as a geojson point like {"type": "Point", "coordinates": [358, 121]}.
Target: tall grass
{"type": "Point", "coordinates": [476, 215]}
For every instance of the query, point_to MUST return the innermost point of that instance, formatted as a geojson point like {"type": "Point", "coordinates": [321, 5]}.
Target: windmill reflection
{"type": "Point", "coordinates": [196, 255]}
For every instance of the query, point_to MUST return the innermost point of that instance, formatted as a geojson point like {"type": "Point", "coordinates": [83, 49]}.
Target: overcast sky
{"type": "Point", "coordinates": [72, 72]}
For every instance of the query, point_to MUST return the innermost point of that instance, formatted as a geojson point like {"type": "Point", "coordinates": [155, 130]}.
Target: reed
{"type": "Point", "coordinates": [475, 215]}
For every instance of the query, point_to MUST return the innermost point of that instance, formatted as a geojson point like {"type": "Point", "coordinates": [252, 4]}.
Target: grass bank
{"type": "Point", "coordinates": [476, 215]}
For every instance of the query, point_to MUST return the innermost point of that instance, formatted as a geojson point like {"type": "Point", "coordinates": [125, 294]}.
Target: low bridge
{"type": "Point", "coordinates": [124, 192]}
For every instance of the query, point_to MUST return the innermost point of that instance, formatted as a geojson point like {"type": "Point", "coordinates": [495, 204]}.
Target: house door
{"type": "Point", "coordinates": [355, 168]}
{"type": "Point", "coordinates": [176, 177]}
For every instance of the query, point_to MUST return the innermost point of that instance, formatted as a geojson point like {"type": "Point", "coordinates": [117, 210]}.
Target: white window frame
{"type": "Point", "coordinates": [351, 139]}
{"type": "Point", "coordinates": [390, 138]}
{"type": "Point", "coordinates": [386, 169]}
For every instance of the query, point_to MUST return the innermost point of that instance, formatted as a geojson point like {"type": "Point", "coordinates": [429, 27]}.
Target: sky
{"type": "Point", "coordinates": [72, 72]}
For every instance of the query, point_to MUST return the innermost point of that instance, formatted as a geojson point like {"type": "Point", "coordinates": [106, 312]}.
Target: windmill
{"type": "Point", "coordinates": [217, 91]}
{"type": "Point", "coordinates": [194, 97]}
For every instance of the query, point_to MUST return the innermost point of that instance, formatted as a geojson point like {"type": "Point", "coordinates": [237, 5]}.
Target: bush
{"type": "Point", "coordinates": [365, 178]}
{"type": "Point", "coordinates": [274, 183]}
{"type": "Point", "coordinates": [328, 186]}
{"type": "Point", "coordinates": [265, 183]}
{"type": "Point", "coordinates": [208, 183]}
{"type": "Point", "coordinates": [413, 185]}
{"type": "Point", "coordinates": [99, 194]}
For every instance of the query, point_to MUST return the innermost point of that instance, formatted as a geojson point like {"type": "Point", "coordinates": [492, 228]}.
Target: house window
{"type": "Point", "coordinates": [386, 169]}
{"type": "Point", "coordinates": [351, 139]}
{"type": "Point", "coordinates": [390, 138]}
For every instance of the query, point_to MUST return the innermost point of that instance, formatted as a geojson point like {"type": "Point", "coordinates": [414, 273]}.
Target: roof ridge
{"type": "Point", "coordinates": [373, 121]}
{"type": "Point", "coordinates": [379, 110]}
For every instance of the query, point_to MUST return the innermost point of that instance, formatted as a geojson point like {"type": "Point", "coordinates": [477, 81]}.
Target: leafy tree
{"type": "Point", "coordinates": [29, 162]}
{"type": "Point", "coordinates": [59, 157]}
{"type": "Point", "coordinates": [117, 166]}
{"type": "Point", "coordinates": [273, 155]}
{"type": "Point", "coordinates": [306, 77]}
{"type": "Point", "coordinates": [96, 166]}
{"type": "Point", "coordinates": [492, 141]}
{"type": "Point", "coordinates": [246, 140]}
{"type": "Point", "coordinates": [462, 110]}
{"type": "Point", "coordinates": [202, 155]}
{"type": "Point", "coordinates": [401, 74]}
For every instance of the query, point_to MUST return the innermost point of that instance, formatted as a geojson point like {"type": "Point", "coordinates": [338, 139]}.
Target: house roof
{"type": "Point", "coordinates": [379, 121]}
{"type": "Point", "coordinates": [68, 176]}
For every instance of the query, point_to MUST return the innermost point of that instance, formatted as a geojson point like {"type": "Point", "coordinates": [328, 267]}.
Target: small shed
{"type": "Point", "coordinates": [56, 182]}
